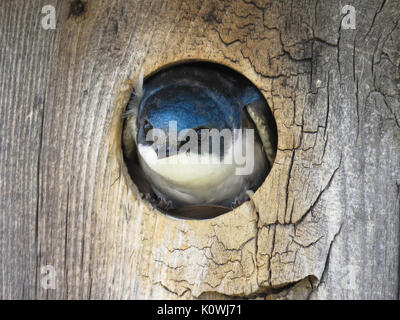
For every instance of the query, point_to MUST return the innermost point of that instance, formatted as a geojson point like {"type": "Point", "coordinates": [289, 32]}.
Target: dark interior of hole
{"type": "Point", "coordinates": [192, 211]}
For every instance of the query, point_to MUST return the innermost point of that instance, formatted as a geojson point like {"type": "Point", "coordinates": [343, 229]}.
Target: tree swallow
{"type": "Point", "coordinates": [198, 137]}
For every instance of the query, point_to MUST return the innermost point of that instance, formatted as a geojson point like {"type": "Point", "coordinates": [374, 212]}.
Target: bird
{"type": "Point", "coordinates": [199, 136]}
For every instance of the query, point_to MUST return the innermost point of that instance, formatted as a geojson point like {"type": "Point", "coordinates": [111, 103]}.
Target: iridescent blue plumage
{"type": "Point", "coordinates": [197, 96]}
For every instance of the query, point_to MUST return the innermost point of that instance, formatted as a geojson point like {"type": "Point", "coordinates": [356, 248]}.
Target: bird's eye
{"type": "Point", "coordinates": [181, 143]}
{"type": "Point", "coordinates": [198, 131]}
{"type": "Point", "coordinates": [147, 126]}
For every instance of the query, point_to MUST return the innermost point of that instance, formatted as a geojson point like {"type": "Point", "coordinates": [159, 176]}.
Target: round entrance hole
{"type": "Point", "coordinates": [198, 139]}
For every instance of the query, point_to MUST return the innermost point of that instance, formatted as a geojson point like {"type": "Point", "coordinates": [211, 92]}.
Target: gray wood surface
{"type": "Point", "coordinates": [325, 223]}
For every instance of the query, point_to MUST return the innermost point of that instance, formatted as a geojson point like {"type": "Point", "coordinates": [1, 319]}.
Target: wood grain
{"type": "Point", "coordinates": [325, 223]}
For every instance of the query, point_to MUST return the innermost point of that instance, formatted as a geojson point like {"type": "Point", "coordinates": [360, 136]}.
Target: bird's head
{"type": "Point", "coordinates": [189, 98]}
{"type": "Point", "coordinates": [181, 110]}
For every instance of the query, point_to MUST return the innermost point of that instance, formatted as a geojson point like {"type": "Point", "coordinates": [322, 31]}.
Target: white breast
{"type": "Point", "coordinates": [190, 178]}
{"type": "Point", "coordinates": [189, 170]}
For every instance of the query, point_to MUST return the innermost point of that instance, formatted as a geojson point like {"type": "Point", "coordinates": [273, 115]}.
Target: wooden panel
{"type": "Point", "coordinates": [328, 211]}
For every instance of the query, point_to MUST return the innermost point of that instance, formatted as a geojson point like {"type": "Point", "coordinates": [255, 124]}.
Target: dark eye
{"type": "Point", "coordinates": [181, 143]}
{"type": "Point", "coordinates": [147, 126]}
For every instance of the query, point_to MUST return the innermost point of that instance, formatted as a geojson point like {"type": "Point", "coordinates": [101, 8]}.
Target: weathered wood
{"type": "Point", "coordinates": [325, 223]}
